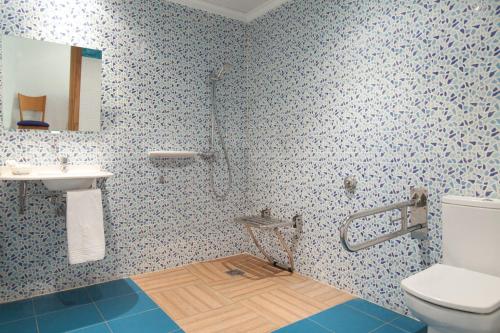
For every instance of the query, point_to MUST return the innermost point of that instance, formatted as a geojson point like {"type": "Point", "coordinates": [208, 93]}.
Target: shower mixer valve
{"type": "Point", "coordinates": [350, 183]}
{"type": "Point", "coordinates": [207, 155]}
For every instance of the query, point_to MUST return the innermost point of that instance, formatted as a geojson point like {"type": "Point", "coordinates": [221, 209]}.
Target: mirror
{"type": "Point", "coordinates": [49, 86]}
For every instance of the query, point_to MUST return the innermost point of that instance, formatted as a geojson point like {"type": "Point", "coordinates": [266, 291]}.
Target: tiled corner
{"type": "Point", "coordinates": [120, 304]}
{"type": "Point", "coordinates": [153, 321]}
{"type": "Point", "coordinates": [389, 329]}
{"type": "Point", "coordinates": [99, 328]}
{"type": "Point", "coordinates": [344, 318]}
{"type": "Point", "coordinates": [27, 325]}
{"type": "Point", "coordinates": [303, 326]}
{"type": "Point", "coordinates": [69, 319]}
{"type": "Point", "coordinates": [112, 289]}
{"type": "Point", "coordinates": [373, 310]}
{"type": "Point", "coordinates": [124, 306]}
{"type": "Point", "coordinates": [15, 311]}
{"type": "Point", "coordinates": [409, 325]}
{"type": "Point", "coordinates": [356, 316]}
{"type": "Point", "coordinates": [62, 300]}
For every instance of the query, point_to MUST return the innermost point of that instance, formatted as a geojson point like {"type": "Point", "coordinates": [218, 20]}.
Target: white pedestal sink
{"type": "Point", "coordinates": [76, 177]}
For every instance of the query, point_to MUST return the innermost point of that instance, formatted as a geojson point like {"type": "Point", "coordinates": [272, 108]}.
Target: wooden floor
{"type": "Point", "coordinates": [202, 297]}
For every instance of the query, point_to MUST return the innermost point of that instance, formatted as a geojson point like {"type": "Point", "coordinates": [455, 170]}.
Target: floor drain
{"type": "Point", "coordinates": [235, 272]}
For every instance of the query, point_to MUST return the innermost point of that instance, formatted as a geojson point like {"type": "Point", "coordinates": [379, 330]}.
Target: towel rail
{"type": "Point", "coordinates": [417, 217]}
{"type": "Point", "coordinates": [23, 195]}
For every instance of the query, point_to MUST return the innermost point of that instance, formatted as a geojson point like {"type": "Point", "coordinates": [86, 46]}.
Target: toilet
{"type": "Point", "coordinates": [462, 295]}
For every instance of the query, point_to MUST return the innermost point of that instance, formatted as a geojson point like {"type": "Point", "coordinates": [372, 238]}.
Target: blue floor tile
{"type": "Point", "coordinates": [410, 325]}
{"type": "Point", "coordinates": [15, 311]}
{"type": "Point", "coordinates": [301, 327]}
{"type": "Point", "coordinates": [74, 318]}
{"type": "Point", "coordinates": [125, 305]}
{"type": "Point", "coordinates": [373, 309]}
{"type": "Point", "coordinates": [19, 326]}
{"type": "Point", "coordinates": [154, 321]}
{"type": "Point", "coordinates": [112, 289]}
{"type": "Point", "coordinates": [61, 300]}
{"type": "Point", "coordinates": [344, 319]}
{"type": "Point", "coordinates": [389, 329]}
{"type": "Point", "coordinates": [99, 328]}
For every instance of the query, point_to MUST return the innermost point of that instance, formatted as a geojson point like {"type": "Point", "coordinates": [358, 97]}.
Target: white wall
{"type": "Point", "coordinates": [90, 95]}
{"type": "Point", "coordinates": [36, 68]}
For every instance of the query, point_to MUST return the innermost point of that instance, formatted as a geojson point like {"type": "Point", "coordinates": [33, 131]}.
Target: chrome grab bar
{"type": "Point", "coordinates": [417, 226]}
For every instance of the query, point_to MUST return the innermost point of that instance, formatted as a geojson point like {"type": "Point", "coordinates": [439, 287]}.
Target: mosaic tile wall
{"type": "Point", "coordinates": [156, 59]}
{"type": "Point", "coordinates": [397, 93]}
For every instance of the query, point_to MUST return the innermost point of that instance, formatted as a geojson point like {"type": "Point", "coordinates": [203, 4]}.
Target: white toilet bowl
{"type": "Point", "coordinates": [454, 300]}
{"type": "Point", "coordinates": [444, 320]}
{"type": "Point", "coordinates": [462, 295]}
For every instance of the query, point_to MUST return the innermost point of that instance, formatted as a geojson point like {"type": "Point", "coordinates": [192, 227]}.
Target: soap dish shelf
{"type": "Point", "coordinates": [266, 222]}
{"type": "Point", "coordinates": [173, 154]}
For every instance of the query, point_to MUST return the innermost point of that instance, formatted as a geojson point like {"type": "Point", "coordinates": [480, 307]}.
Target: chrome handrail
{"type": "Point", "coordinates": [417, 227]}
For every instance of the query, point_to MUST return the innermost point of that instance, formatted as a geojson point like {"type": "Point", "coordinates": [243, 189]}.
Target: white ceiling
{"type": "Point", "coordinates": [243, 10]}
{"type": "Point", "coordinates": [242, 6]}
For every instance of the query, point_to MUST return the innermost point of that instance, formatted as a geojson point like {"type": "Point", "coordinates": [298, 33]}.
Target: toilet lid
{"type": "Point", "coordinates": [455, 288]}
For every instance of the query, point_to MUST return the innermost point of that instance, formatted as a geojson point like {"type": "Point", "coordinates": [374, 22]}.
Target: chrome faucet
{"type": "Point", "coordinates": [63, 163]}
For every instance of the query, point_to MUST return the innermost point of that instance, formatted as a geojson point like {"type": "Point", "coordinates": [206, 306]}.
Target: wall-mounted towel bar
{"type": "Point", "coordinates": [417, 217]}
{"type": "Point", "coordinates": [52, 195]}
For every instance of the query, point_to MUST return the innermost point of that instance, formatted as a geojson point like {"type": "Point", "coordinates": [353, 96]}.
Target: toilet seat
{"type": "Point", "coordinates": [455, 288]}
{"type": "Point", "coordinates": [444, 320]}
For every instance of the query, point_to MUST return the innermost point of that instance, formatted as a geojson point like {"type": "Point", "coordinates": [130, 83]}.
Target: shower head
{"type": "Point", "coordinates": [217, 75]}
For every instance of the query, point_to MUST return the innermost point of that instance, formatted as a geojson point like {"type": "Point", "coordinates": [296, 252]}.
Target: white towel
{"type": "Point", "coordinates": [85, 226]}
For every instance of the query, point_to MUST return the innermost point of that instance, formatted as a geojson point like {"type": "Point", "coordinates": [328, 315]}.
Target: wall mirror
{"type": "Point", "coordinates": [50, 87]}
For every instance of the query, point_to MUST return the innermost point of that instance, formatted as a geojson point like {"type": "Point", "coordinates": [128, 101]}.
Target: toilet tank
{"type": "Point", "coordinates": [471, 233]}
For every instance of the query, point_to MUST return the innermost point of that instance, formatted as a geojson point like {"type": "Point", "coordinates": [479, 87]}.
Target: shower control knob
{"type": "Point", "coordinates": [265, 212]}
{"type": "Point", "coordinates": [350, 183]}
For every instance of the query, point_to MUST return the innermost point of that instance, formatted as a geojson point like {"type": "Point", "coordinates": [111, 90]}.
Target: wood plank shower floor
{"type": "Point", "coordinates": [202, 297]}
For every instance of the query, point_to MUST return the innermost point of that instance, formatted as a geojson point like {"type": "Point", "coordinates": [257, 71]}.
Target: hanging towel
{"type": "Point", "coordinates": [85, 226]}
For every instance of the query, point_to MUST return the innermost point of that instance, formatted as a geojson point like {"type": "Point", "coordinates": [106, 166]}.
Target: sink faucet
{"type": "Point", "coordinates": [63, 163]}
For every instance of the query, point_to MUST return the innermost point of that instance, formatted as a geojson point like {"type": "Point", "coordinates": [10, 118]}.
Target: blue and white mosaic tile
{"type": "Point", "coordinates": [156, 60]}
{"type": "Point", "coordinates": [397, 93]}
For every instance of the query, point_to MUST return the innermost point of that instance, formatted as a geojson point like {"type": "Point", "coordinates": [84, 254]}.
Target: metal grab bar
{"type": "Point", "coordinates": [417, 227]}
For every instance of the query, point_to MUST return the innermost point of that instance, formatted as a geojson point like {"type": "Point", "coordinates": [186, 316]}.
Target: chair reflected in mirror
{"type": "Point", "coordinates": [33, 104]}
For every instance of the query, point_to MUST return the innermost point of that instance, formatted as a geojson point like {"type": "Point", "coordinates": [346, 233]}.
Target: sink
{"type": "Point", "coordinates": [73, 179]}
{"type": "Point", "coordinates": [77, 177]}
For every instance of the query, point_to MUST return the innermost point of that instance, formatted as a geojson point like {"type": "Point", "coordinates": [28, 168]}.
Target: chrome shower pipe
{"type": "Point", "coordinates": [213, 120]}
{"type": "Point", "coordinates": [214, 78]}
